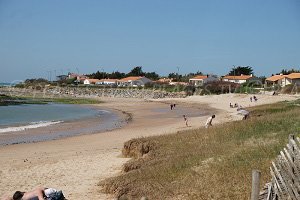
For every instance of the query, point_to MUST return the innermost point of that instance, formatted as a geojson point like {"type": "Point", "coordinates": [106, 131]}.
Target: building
{"type": "Point", "coordinates": [284, 80]}
{"type": "Point", "coordinates": [107, 82]}
{"type": "Point", "coordinates": [78, 77]}
{"type": "Point", "coordinates": [275, 80]}
{"type": "Point", "coordinates": [201, 80]}
{"type": "Point", "coordinates": [292, 79]}
{"type": "Point", "coordinates": [240, 79]}
{"type": "Point", "coordinates": [164, 80]}
{"type": "Point", "coordinates": [90, 81]}
{"type": "Point", "coordinates": [134, 81]}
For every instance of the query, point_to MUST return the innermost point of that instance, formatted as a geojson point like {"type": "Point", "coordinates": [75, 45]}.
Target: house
{"type": "Point", "coordinates": [275, 80]}
{"type": "Point", "coordinates": [107, 82]}
{"type": "Point", "coordinates": [78, 77]}
{"type": "Point", "coordinates": [178, 83]}
{"type": "Point", "coordinates": [201, 79]}
{"type": "Point", "coordinates": [240, 79]}
{"type": "Point", "coordinates": [134, 81]}
{"type": "Point", "coordinates": [165, 80]}
{"type": "Point", "coordinates": [284, 80]}
{"type": "Point", "coordinates": [90, 81]}
{"type": "Point", "coordinates": [291, 79]}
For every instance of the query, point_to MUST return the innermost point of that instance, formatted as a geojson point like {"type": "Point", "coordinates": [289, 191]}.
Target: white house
{"type": "Point", "coordinates": [134, 81]}
{"type": "Point", "coordinates": [240, 79]}
{"type": "Point", "coordinates": [107, 82]}
{"type": "Point", "coordinates": [200, 80]}
{"type": "Point", "coordinates": [90, 81]}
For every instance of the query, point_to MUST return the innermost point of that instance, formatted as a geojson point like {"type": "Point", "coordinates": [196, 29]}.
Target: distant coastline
{"type": "Point", "coordinates": [6, 84]}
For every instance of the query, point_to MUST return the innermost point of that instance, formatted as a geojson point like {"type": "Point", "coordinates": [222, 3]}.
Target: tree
{"type": "Point", "coordinates": [152, 75]}
{"type": "Point", "coordinates": [137, 71]}
{"type": "Point", "coordinates": [98, 75]}
{"type": "Point", "coordinates": [286, 71]}
{"type": "Point", "coordinates": [238, 71]}
{"type": "Point", "coordinates": [117, 75]}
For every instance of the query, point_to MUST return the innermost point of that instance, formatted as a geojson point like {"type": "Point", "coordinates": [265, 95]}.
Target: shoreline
{"type": "Point", "coordinates": [113, 119]}
{"type": "Point", "coordinates": [83, 161]}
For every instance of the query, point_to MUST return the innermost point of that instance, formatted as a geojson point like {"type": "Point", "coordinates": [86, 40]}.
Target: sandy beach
{"type": "Point", "coordinates": [77, 164]}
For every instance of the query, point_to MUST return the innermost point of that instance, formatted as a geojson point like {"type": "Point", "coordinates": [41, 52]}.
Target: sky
{"type": "Point", "coordinates": [164, 36]}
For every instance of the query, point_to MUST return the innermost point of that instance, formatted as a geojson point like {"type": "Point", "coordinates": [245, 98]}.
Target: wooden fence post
{"type": "Point", "coordinates": [255, 184]}
{"type": "Point", "coordinates": [292, 137]}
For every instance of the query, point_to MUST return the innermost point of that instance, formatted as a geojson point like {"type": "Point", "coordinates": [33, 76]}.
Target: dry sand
{"type": "Point", "coordinates": [77, 164]}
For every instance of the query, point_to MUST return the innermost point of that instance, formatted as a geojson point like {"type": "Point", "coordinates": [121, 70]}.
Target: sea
{"type": "Point", "coordinates": [7, 84]}
{"type": "Point", "coordinates": [39, 122]}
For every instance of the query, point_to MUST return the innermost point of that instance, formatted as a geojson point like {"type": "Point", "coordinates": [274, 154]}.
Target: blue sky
{"type": "Point", "coordinates": [206, 35]}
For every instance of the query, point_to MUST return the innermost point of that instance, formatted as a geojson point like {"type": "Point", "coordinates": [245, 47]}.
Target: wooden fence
{"type": "Point", "coordinates": [285, 172]}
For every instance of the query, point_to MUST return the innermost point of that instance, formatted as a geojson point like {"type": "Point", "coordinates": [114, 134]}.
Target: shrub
{"type": "Point", "coordinates": [219, 87]}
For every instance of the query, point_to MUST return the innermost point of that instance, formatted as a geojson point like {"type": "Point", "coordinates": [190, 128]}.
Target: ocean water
{"type": "Point", "coordinates": [22, 117]}
{"type": "Point", "coordinates": [34, 123]}
{"type": "Point", "coordinates": [7, 84]}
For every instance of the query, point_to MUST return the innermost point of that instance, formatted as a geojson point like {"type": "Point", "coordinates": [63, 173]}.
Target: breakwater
{"type": "Point", "coordinates": [92, 92]}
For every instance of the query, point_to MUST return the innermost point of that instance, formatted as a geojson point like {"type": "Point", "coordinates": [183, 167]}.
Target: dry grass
{"type": "Point", "coordinates": [206, 164]}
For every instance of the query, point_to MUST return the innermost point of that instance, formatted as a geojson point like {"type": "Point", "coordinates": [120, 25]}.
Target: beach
{"type": "Point", "coordinates": [77, 164]}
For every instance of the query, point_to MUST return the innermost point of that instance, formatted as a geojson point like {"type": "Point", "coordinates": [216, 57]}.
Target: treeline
{"type": "Point", "coordinates": [286, 71]}
{"type": "Point", "coordinates": [138, 71]}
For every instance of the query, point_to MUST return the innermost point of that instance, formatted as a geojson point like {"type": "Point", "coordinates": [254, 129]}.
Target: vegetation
{"type": "Point", "coordinates": [9, 100]}
{"type": "Point", "coordinates": [219, 87]}
{"type": "Point", "coordinates": [291, 89]}
{"type": "Point", "coordinates": [136, 71]}
{"type": "Point", "coordinates": [288, 71]}
{"type": "Point", "coordinates": [37, 84]}
{"type": "Point", "coordinates": [183, 78]}
{"type": "Point", "coordinates": [237, 71]}
{"type": "Point", "coordinates": [71, 100]}
{"type": "Point", "coordinates": [213, 163]}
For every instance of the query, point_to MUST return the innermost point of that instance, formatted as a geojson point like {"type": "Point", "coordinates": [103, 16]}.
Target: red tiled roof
{"type": "Point", "coordinates": [130, 78]}
{"type": "Point", "coordinates": [294, 75]}
{"type": "Point", "coordinates": [109, 80]}
{"type": "Point", "coordinates": [243, 77]}
{"type": "Point", "coordinates": [93, 80]}
{"type": "Point", "coordinates": [199, 77]}
{"type": "Point", "coordinates": [276, 78]}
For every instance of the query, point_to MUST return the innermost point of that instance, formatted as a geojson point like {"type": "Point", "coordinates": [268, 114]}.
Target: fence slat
{"type": "Point", "coordinates": [289, 191]}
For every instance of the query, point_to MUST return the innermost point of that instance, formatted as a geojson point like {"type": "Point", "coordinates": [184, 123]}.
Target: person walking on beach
{"type": "Point", "coordinates": [185, 120]}
{"type": "Point", "coordinates": [255, 98]}
{"type": "Point", "coordinates": [209, 121]}
{"type": "Point", "coordinates": [171, 106]}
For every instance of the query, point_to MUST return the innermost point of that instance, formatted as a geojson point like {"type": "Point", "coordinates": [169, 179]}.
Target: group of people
{"type": "Point", "coordinates": [172, 106]}
{"type": "Point", "coordinates": [207, 124]}
{"type": "Point", "coordinates": [233, 106]}
{"type": "Point", "coordinates": [40, 193]}
{"type": "Point", "coordinates": [254, 98]}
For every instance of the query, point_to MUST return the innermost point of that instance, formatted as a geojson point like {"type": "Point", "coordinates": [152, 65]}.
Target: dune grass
{"type": "Point", "coordinates": [15, 100]}
{"type": "Point", "coordinates": [69, 100]}
{"type": "Point", "coordinates": [207, 164]}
